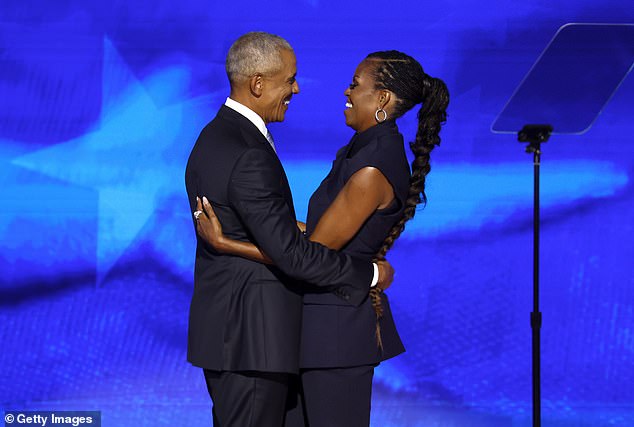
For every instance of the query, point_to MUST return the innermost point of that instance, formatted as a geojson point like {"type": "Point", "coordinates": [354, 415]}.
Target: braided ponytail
{"type": "Point", "coordinates": [404, 76]}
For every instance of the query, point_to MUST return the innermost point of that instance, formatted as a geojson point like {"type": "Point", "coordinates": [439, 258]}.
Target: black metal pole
{"type": "Point", "coordinates": [535, 135]}
{"type": "Point", "coordinates": [536, 315]}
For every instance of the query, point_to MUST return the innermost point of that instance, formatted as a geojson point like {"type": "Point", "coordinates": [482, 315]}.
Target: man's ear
{"type": "Point", "coordinates": [255, 85]}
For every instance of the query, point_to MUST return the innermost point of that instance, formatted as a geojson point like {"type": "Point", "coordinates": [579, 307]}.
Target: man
{"type": "Point", "coordinates": [245, 317]}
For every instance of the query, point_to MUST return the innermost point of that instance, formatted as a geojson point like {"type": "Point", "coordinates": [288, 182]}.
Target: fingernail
{"type": "Point", "coordinates": [197, 199]}
{"type": "Point", "coordinates": [205, 200]}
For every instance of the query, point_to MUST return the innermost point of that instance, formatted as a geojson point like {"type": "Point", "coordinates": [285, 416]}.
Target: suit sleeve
{"type": "Point", "coordinates": [255, 191]}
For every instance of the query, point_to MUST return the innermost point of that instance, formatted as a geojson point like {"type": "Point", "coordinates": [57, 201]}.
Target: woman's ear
{"type": "Point", "coordinates": [384, 98]}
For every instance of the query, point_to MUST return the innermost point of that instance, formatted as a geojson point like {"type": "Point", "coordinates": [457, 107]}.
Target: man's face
{"type": "Point", "coordinates": [278, 88]}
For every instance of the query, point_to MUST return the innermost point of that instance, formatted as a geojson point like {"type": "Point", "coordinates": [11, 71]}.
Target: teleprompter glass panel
{"type": "Point", "coordinates": [572, 80]}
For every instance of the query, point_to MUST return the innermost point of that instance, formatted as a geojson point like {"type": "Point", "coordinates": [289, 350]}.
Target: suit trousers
{"type": "Point", "coordinates": [247, 399]}
{"type": "Point", "coordinates": [332, 397]}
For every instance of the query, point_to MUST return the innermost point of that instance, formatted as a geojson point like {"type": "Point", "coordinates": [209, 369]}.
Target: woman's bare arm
{"type": "Point", "coordinates": [365, 192]}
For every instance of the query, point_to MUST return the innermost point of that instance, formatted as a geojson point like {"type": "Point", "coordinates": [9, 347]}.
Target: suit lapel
{"type": "Point", "coordinates": [287, 189]}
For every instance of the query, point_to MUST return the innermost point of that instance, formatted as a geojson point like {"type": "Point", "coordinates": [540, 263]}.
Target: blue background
{"type": "Point", "coordinates": [100, 103]}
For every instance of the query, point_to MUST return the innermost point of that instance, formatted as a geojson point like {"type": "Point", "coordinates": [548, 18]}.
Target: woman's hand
{"type": "Point", "coordinates": [208, 226]}
{"type": "Point", "coordinates": [209, 229]}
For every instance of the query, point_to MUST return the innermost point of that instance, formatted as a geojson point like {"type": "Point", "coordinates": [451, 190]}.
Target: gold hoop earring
{"type": "Point", "coordinates": [382, 111]}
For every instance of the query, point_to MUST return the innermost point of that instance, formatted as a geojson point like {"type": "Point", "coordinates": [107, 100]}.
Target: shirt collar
{"type": "Point", "coordinates": [251, 115]}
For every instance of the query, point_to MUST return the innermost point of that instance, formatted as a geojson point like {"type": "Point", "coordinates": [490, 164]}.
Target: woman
{"type": "Point", "coordinates": [361, 208]}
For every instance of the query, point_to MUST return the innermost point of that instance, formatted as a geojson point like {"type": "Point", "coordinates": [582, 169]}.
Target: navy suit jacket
{"type": "Point", "coordinates": [246, 315]}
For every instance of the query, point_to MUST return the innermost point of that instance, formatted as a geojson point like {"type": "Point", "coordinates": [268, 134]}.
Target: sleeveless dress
{"type": "Point", "coordinates": [335, 333]}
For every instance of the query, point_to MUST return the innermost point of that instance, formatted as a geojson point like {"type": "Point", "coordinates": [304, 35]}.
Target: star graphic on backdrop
{"type": "Point", "coordinates": [135, 155]}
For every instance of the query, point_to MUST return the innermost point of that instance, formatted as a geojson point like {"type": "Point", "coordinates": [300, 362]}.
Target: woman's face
{"type": "Point", "coordinates": [363, 98]}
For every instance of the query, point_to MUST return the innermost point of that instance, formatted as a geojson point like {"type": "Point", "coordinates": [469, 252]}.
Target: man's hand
{"type": "Point", "coordinates": [386, 275]}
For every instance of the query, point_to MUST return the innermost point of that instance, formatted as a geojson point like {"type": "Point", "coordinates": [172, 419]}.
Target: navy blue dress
{"type": "Point", "coordinates": [336, 334]}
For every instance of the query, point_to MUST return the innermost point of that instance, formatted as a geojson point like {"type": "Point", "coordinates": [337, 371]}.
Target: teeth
{"type": "Point", "coordinates": [348, 105]}
{"type": "Point", "coordinates": [287, 102]}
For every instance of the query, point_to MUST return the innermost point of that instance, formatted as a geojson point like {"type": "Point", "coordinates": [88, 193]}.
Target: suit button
{"type": "Point", "coordinates": [346, 297]}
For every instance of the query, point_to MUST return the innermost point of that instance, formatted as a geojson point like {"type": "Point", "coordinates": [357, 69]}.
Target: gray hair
{"type": "Point", "coordinates": [255, 52]}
